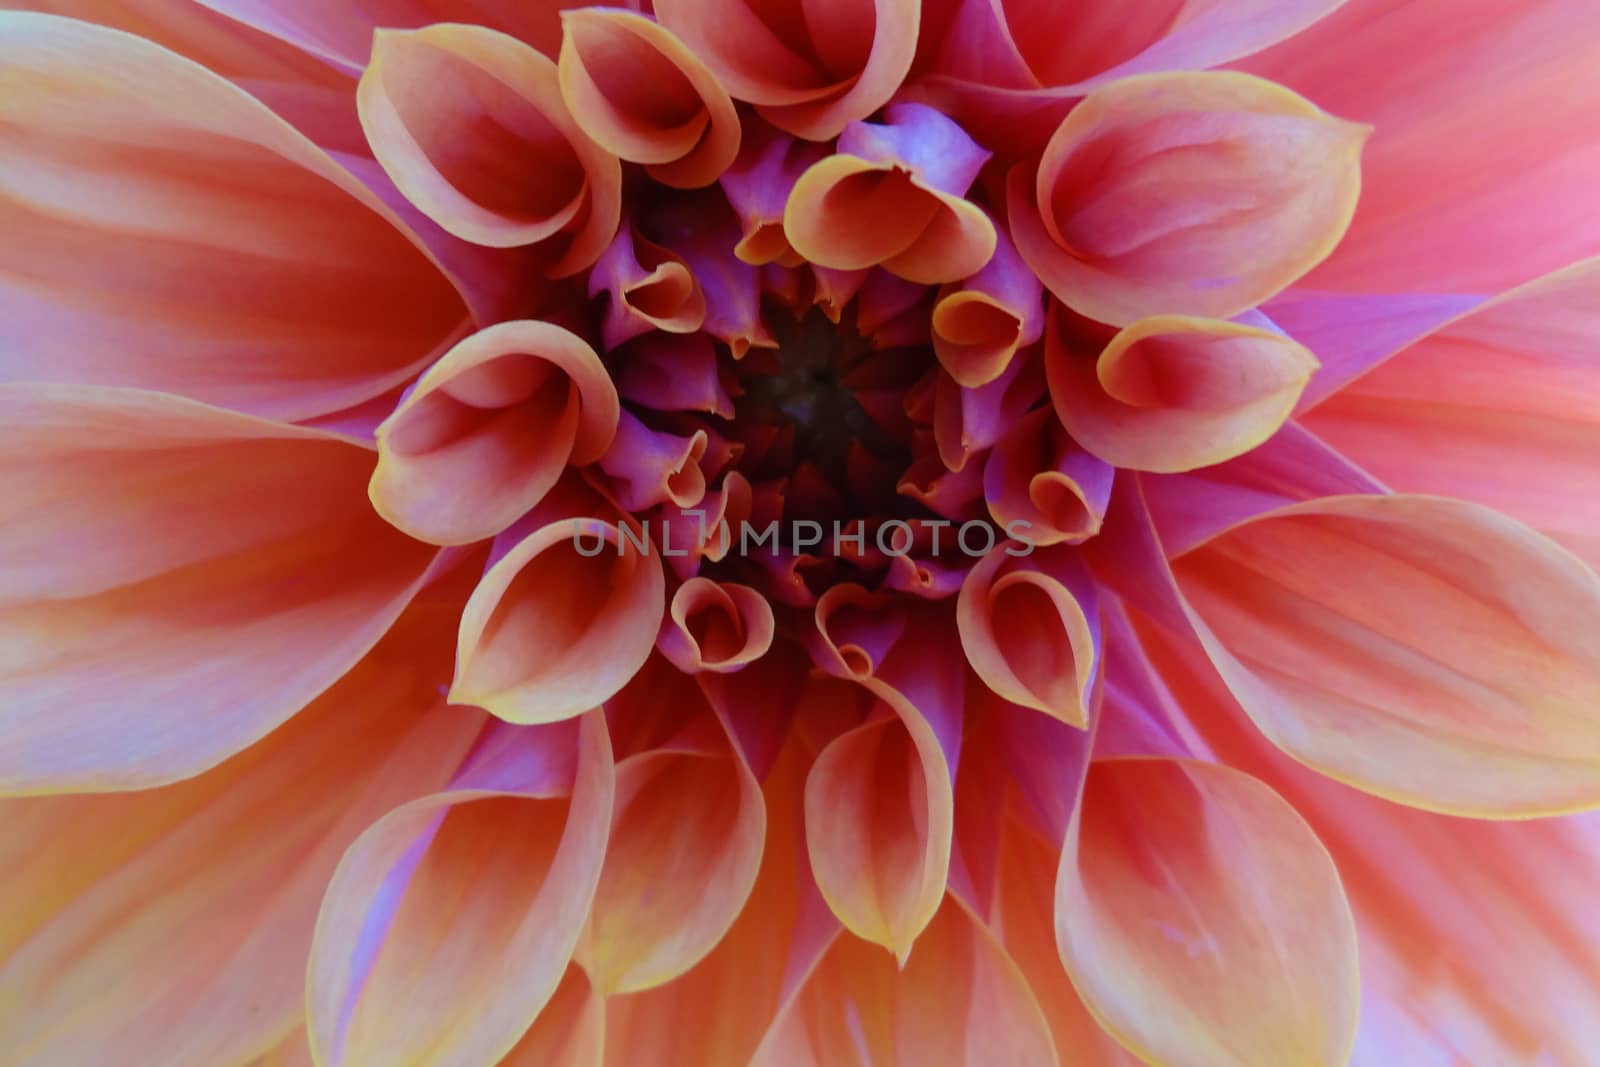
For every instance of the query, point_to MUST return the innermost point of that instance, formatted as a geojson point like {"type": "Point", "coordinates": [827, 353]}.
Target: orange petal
{"type": "Point", "coordinates": [144, 920]}
{"type": "Point", "coordinates": [1202, 920]}
{"type": "Point", "coordinates": [1171, 393]}
{"type": "Point", "coordinates": [958, 1002]}
{"type": "Point", "coordinates": [650, 288]}
{"type": "Point", "coordinates": [1030, 627]}
{"type": "Point", "coordinates": [717, 626]}
{"type": "Point", "coordinates": [471, 127]}
{"type": "Point", "coordinates": [1497, 407]}
{"type": "Point", "coordinates": [1042, 486]}
{"type": "Point", "coordinates": [449, 924]}
{"type": "Point", "coordinates": [1193, 194]}
{"type": "Point", "coordinates": [1427, 650]}
{"type": "Point", "coordinates": [570, 1030]}
{"type": "Point", "coordinates": [684, 851]}
{"type": "Point", "coordinates": [177, 581]}
{"type": "Point", "coordinates": [488, 431]}
{"type": "Point", "coordinates": [811, 70]}
{"type": "Point", "coordinates": [562, 620]}
{"type": "Point", "coordinates": [640, 94]}
{"type": "Point", "coordinates": [849, 214]}
{"type": "Point", "coordinates": [121, 266]}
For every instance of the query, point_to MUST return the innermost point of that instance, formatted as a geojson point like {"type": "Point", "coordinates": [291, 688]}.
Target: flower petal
{"type": "Point", "coordinates": [979, 325]}
{"type": "Point", "coordinates": [1171, 393]}
{"type": "Point", "coordinates": [649, 288]}
{"type": "Point", "coordinates": [1194, 194]}
{"type": "Point", "coordinates": [1042, 486]}
{"type": "Point", "coordinates": [716, 626]}
{"type": "Point", "coordinates": [470, 125]}
{"type": "Point", "coordinates": [455, 915]}
{"type": "Point", "coordinates": [1427, 650]}
{"type": "Point", "coordinates": [149, 920]}
{"type": "Point", "coordinates": [178, 581]}
{"type": "Point", "coordinates": [1202, 921]}
{"type": "Point", "coordinates": [639, 93]}
{"type": "Point", "coordinates": [166, 231]}
{"type": "Point", "coordinates": [489, 430]}
{"type": "Point", "coordinates": [570, 1030]}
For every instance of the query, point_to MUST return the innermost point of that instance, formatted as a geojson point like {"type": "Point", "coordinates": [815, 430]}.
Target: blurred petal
{"type": "Point", "coordinates": [1202, 921]}
{"type": "Point", "coordinates": [454, 916]}
{"type": "Point", "coordinates": [177, 581]}
{"type": "Point", "coordinates": [958, 1002]}
{"type": "Point", "coordinates": [814, 67]}
{"type": "Point", "coordinates": [166, 231]}
{"type": "Point", "coordinates": [570, 1030]}
{"type": "Point", "coordinates": [641, 95]}
{"type": "Point", "coordinates": [557, 626]}
{"type": "Point", "coordinates": [1172, 393]}
{"type": "Point", "coordinates": [489, 429]}
{"type": "Point", "coordinates": [1424, 649]}
{"type": "Point", "coordinates": [1193, 194]}
{"type": "Point", "coordinates": [177, 920]}
{"type": "Point", "coordinates": [470, 125]}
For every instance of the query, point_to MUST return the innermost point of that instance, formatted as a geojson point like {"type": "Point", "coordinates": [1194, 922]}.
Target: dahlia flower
{"type": "Point", "coordinates": [831, 532]}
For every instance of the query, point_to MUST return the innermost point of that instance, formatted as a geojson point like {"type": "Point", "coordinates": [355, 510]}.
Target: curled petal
{"type": "Point", "coordinates": [674, 372]}
{"type": "Point", "coordinates": [1195, 194]}
{"type": "Point", "coordinates": [653, 467]}
{"type": "Point", "coordinates": [685, 848]}
{"type": "Point", "coordinates": [1172, 393]}
{"type": "Point", "coordinates": [489, 430]}
{"type": "Point", "coordinates": [123, 266]}
{"type": "Point", "coordinates": [449, 923]}
{"type": "Point", "coordinates": [1427, 650]}
{"type": "Point", "coordinates": [757, 187]}
{"type": "Point", "coordinates": [716, 626]}
{"type": "Point", "coordinates": [968, 420]}
{"type": "Point", "coordinates": [959, 1001]}
{"type": "Point", "coordinates": [979, 325]}
{"type": "Point", "coordinates": [894, 197]}
{"type": "Point", "coordinates": [1202, 921]}
{"type": "Point", "coordinates": [640, 94]}
{"type": "Point", "coordinates": [560, 622]}
{"type": "Point", "coordinates": [1030, 627]}
{"type": "Point", "coordinates": [1040, 483]}
{"type": "Point", "coordinates": [812, 70]}
{"type": "Point", "coordinates": [175, 582]}
{"type": "Point", "coordinates": [471, 127]}
{"type": "Point", "coordinates": [650, 288]}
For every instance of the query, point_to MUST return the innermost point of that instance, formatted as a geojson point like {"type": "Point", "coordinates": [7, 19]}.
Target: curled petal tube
{"type": "Point", "coordinates": [1195, 194]}
{"type": "Point", "coordinates": [488, 431]}
{"type": "Point", "coordinates": [893, 197]}
{"type": "Point", "coordinates": [1182, 910]}
{"type": "Point", "coordinates": [1039, 476]}
{"type": "Point", "coordinates": [757, 187]}
{"type": "Point", "coordinates": [1428, 650]}
{"type": "Point", "coordinates": [477, 891]}
{"type": "Point", "coordinates": [651, 467]}
{"type": "Point", "coordinates": [641, 95]}
{"type": "Point", "coordinates": [165, 231]}
{"type": "Point", "coordinates": [650, 288]}
{"type": "Point", "coordinates": [968, 420]}
{"type": "Point", "coordinates": [810, 72]}
{"type": "Point", "coordinates": [471, 127]}
{"type": "Point", "coordinates": [1172, 393]}
{"type": "Point", "coordinates": [979, 325]}
{"type": "Point", "coordinates": [564, 618]}
{"type": "Point", "coordinates": [716, 626]}
{"type": "Point", "coordinates": [1030, 627]}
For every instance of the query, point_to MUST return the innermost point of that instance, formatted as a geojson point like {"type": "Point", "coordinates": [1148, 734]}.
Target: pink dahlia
{"type": "Point", "coordinates": [832, 532]}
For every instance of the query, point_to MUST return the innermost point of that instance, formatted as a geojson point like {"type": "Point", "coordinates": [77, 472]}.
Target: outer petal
{"type": "Point", "coordinates": [470, 125]}
{"type": "Point", "coordinates": [559, 624]}
{"type": "Point", "coordinates": [570, 1030]}
{"type": "Point", "coordinates": [488, 431]}
{"type": "Point", "coordinates": [177, 920]}
{"type": "Point", "coordinates": [1478, 173]}
{"type": "Point", "coordinates": [640, 94]}
{"type": "Point", "coordinates": [1428, 650]}
{"type": "Point", "coordinates": [1197, 194]}
{"type": "Point", "coordinates": [1171, 393]}
{"type": "Point", "coordinates": [449, 924]}
{"type": "Point", "coordinates": [176, 582]}
{"type": "Point", "coordinates": [166, 231]}
{"type": "Point", "coordinates": [1202, 921]}
{"type": "Point", "coordinates": [1497, 407]}
{"type": "Point", "coordinates": [958, 1002]}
